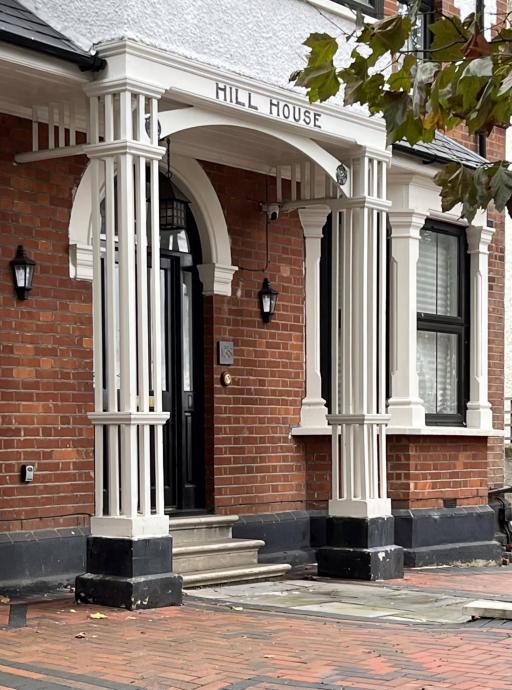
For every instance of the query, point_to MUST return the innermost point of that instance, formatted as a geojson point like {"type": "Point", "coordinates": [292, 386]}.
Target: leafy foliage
{"type": "Point", "coordinates": [462, 78]}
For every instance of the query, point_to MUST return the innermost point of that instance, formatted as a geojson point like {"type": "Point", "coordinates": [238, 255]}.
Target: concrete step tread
{"type": "Point", "coordinates": [221, 546]}
{"type": "Point", "coordinates": [235, 574]}
{"type": "Point", "coordinates": [487, 608]}
{"type": "Point", "coordinates": [199, 521]}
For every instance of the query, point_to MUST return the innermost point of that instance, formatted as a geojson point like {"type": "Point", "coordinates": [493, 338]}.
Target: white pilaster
{"type": "Point", "coordinates": [405, 407]}
{"type": "Point", "coordinates": [359, 307]}
{"type": "Point", "coordinates": [313, 411]}
{"type": "Point", "coordinates": [127, 155]}
{"type": "Point", "coordinates": [479, 412]}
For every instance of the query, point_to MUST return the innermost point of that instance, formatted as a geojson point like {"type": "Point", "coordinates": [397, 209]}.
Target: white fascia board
{"type": "Point", "coordinates": [194, 83]}
{"type": "Point", "coordinates": [46, 67]}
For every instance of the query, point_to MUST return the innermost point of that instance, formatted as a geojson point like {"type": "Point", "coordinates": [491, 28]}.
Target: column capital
{"type": "Point", "coordinates": [124, 147]}
{"type": "Point", "coordinates": [406, 223]}
{"type": "Point", "coordinates": [313, 219]}
{"type": "Point", "coordinates": [110, 86]}
{"type": "Point", "coordinates": [216, 278]}
{"type": "Point", "coordinates": [479, 239]}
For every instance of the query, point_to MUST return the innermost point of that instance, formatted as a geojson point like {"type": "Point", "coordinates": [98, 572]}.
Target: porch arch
{"type": "Point", "coordinates": [208, 214]}
{"type": "Point", "coordinates": [174, 121]}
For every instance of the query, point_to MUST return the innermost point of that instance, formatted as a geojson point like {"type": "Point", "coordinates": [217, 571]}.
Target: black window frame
{"type": "Point", "coordinates": [374, 8]}
{"type": "Point", "coordinates": [427, 14]}
{"type": "Point", "coordinates": [456, 325]}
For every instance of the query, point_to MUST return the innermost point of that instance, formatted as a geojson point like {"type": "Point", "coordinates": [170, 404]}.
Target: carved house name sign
{"type": "Point", "coordinates": [269, 106]}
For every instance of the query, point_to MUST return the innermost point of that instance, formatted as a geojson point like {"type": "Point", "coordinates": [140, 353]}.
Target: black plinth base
{"type": "Point", "coordinates": [129, 573]}
{"type": "Point", "coordinates": [447, 536]}
{"type": "Point", "coordinates": [144, 592]}
{"type": "Point", "coordinates": [360, 549]}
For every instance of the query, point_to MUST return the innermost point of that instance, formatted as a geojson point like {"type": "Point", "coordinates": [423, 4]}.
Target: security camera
{"type": "Point", "coordinates": [272, 211]}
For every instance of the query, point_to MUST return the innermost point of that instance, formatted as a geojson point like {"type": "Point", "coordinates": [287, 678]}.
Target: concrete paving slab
{"type": "Point", "coordinates": [368, 601]}
{"type": "Point", "coordinates": [343, 609]}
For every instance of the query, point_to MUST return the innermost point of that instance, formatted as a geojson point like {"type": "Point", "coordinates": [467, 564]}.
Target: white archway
{"type": "Point", "coordinates": [173, 121]}
{"type": "Point", "coordinates": [216, 272]}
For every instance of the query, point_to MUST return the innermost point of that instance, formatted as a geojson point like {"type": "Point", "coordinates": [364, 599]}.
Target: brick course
{"type": "Point", "coordinates": [45, 355]}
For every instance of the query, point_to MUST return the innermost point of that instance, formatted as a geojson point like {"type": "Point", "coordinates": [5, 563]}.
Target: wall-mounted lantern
{"type": "Point", "coordinates": [268, 300]}
{"type": "Point", "coordinates": [173, 209]}
{"type": "Point", "coordinates": [22, 272]}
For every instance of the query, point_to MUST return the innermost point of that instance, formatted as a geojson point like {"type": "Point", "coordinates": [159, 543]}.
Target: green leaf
{"type": "Point", "coordinates": [387, 35]}
{"type": "Point", "coordinates": [457, 187]}
{"type": "Point", "coordinates": [479, 67]}
{"type": "Point", "coordinates": [425, 76]}
{"type": "Point", "coordinates": [450, 38]}
{"type": "Point", "coordinates": [323, 48]}
{"type": "Point", "coordinates": [506, 85]}
{"type": "Point", "coordinates": [501, 187]}
{"type": "Point", "coordinates": [402, 79]}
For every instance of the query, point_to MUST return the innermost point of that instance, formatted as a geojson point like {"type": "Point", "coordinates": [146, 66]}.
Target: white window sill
{"type": "Point", "coordinates": [442, 431]}
{"type": "Point", "coordinates": [407, 431]}
{"type": "Point", "coordinates": [311, 431]}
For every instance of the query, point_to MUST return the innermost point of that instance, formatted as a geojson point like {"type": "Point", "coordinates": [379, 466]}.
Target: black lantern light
{"type": "Point", "coordinates": [22, 272]}
{"type": "Point", "coordinates": [173, 210]}
{"type": "Point", "coordinates": [268, 300]}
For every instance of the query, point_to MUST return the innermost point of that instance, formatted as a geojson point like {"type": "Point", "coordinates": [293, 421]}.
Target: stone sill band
{"type": "Point", "coordinates": [409, 431]}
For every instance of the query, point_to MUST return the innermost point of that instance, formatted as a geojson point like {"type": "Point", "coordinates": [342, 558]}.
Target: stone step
{"type": "Point", "coordinates": [201, 529]}
{"type": "Point", "coordinates": [489, 608]}
{"type": "Point", "coordinates": [215, 555]}
{"type": "Point", "coordinates": [236, 574]}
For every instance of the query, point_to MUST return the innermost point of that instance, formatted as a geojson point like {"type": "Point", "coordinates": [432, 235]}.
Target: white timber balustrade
{"type": "Point", "coordinates": [314, 411]}
{"type": "Point", "coordinates": [405, 407]}
{"type": "Point", "coordinates": [358, 416]}
{"type": "Point", "coordinates": [479, 412]}
{"type": "Point", "coordinates": [128, 415]}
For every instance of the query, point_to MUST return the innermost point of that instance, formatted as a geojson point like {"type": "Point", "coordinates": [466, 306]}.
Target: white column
{"type": "Point", "coordinates": [359, 294]}
{"type": "Point", "coordinates": [479, 412]}
{"type": "Point", "coordinates": [405, 407]}
{"type": "Point", "coordinates": [127, 152]}
{"type": "Point", "coordinates": [313, 411]}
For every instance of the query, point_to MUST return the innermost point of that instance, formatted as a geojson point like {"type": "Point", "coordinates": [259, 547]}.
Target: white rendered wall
{"type": "Point", "coordinates": [261, 40]}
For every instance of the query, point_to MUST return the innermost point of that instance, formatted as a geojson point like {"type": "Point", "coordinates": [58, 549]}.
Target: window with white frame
{"type": "Point", "coordinates": [443, 323]}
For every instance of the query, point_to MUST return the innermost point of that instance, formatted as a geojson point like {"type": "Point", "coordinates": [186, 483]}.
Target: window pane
{"type": "Point", "coordinates": [437, 275]}
{"type": "Point", "coordinates": [426, 366]}
{"type": "Point", "coordinates": [447, 273]}
{"type": "Point", "coordinates": [446, 373]}
{"type": "Point", "coordinates": [437, 367]}
{"type": "Point", "coordinates": [426, 275]}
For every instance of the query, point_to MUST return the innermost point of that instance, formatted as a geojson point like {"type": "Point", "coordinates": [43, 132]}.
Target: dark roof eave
{"type": "Point", "coordinates": [426, 157]}
{"type": "Point", "coordinates": [86, 62]}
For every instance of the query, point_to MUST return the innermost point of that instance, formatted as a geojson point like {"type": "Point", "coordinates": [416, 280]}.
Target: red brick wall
{"type": "Point", "coordinates": [424, 470]}
{"type": "Point", "coordinates": [257, 466]}
{"type": "Point", "coordinates": [45, 346]}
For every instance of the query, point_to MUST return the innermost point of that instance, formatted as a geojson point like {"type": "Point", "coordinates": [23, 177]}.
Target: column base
{"type": "Point", "coordinates": [313, 413]}
{"type": "Point", "coordinates": [129, 573]}
{"type": "Point", "coordinates": [479, 416]}
{"type": "Point", "coordinates": [406, 412]}
{"type": "Point", "coordinates": [361, 549]}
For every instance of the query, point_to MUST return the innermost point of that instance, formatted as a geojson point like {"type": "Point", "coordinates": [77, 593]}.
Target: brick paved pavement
{"type": "Point", "coordinates": [490, 583]}
{"type": "Point", "coordinates": [210, 647]}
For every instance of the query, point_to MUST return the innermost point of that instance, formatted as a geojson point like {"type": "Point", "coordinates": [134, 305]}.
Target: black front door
{"type": "Point", "coordinates": [182, 376]}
